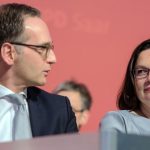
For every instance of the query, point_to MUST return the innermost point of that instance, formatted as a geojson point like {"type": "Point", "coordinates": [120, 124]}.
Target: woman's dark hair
{"type": "Point", "coordinates": [127, 97]}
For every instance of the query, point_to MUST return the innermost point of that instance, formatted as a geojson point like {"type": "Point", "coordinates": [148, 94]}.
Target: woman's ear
{"type": "Point", "coordinates": [8, 53]}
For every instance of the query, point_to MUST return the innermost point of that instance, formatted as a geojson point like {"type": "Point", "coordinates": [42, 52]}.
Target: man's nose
{"type": "Point", "coordinates": [51, 58]}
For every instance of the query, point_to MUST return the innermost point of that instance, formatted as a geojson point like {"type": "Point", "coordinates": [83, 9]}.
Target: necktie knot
{"type": "Point", "coordinates": [16, 98]}
{"type": "Point", "coordinates": [21, 127]}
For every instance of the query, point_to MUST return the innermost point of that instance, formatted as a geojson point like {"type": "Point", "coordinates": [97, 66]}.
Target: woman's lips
{"type": "Point", "coordinates": [147, 89]}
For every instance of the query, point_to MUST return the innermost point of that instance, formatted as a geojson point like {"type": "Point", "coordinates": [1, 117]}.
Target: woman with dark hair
{"type": "Point", "coordinates": [134, 96]}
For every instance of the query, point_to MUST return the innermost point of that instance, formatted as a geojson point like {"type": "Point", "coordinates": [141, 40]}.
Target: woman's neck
{"type": "Point", "coordinates": [144, 111]}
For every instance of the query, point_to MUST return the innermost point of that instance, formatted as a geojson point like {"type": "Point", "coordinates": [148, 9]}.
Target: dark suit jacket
{"type": "Point", "coordinates": [49, 113]}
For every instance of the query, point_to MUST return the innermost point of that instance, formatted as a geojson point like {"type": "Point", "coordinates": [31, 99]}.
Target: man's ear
{"type": "Point", "coordinates": [8, 53]}
{"type": "Point", "coordinates": [85, 117]}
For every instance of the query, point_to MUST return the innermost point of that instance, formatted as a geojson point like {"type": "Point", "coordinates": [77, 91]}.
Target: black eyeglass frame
{"type": "Point", "coordinates": [141, 68]}
{"type": "Point", "coordinates": [47, 47]}
{"type": "Point", "coordinates": [77, 111]}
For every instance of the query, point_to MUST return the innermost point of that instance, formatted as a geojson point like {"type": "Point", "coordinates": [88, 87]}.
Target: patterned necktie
{"type": "Point", "coordinates": [21, 124]}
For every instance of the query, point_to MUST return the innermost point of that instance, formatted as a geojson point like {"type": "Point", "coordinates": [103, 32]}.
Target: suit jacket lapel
{"type": "Point", "coordinates": [35, 115]}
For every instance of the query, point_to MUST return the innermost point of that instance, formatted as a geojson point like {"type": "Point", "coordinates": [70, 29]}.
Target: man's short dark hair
{"type": "Point", "coordinates": [12, 20]}
{"type": "Point", "coordinates": [78, 87]}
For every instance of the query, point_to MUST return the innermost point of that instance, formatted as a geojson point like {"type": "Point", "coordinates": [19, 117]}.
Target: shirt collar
{"type": "Point", "coordinates": [5, 91]}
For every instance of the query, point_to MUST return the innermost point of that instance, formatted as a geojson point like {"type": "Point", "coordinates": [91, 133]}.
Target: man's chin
{"type": "Point", "coordinates": [39, 83]}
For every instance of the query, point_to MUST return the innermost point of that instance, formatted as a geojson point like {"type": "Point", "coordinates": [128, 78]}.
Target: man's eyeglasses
{"type": "Point", "coordinates": [141, 72]}
{"type": "Point", "coordinates": [43, 49]}
{"type": "Point", "coordinates": [77, 111]}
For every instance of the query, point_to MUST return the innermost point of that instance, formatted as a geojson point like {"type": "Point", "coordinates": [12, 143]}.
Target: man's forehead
{"type": "Point", "coordinates": [35, 23]}
{"type": "Point", "coordinates": [35, 26]}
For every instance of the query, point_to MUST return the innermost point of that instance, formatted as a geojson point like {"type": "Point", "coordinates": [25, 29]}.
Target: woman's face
{"type": "Point", "coordinates": [142, 77]}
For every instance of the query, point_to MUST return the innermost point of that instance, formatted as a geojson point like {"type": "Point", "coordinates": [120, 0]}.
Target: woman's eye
{"type": "Point", "coordinates": [141, 71]}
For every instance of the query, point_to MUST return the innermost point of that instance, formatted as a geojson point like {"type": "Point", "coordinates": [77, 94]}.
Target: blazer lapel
{"type": "Point", "coordinates": [35, 115]}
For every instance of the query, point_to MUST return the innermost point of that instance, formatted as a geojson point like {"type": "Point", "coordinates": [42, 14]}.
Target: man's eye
{"type": "Point", "coordinates": [43, 48]}
{"type": "Point", "coordinates": [39, 49]}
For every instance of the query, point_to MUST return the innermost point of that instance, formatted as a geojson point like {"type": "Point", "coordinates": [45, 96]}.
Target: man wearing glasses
{"type": "Point", "coordinates": [26, 57]}
{"type": "Point", "coordinates": [80, 99]}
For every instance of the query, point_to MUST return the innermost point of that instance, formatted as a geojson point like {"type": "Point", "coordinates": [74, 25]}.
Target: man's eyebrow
{"type": "Point", "coordinates": [48, 44]}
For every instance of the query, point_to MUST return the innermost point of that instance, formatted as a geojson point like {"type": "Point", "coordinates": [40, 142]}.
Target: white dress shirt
{"type": "Point", "coordinates": [7, 113]}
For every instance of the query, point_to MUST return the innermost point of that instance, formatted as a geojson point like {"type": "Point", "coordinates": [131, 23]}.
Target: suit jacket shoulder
{"type": "Point", "coordinates": [50, 113]}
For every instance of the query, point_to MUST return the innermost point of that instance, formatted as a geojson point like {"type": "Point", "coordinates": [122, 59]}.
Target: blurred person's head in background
{"type": "Point", "coordinates": [80, 99]}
